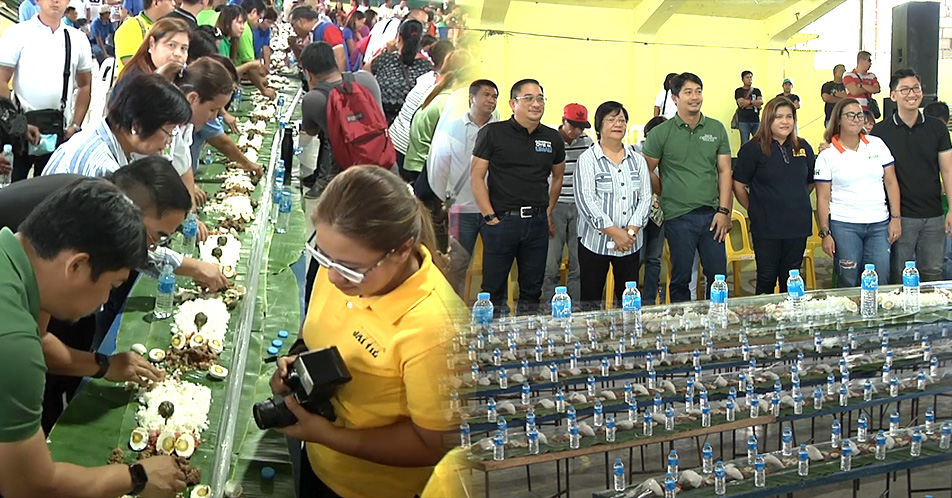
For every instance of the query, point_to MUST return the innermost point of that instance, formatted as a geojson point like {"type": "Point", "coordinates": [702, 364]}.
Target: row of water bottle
{"type": "Point", "coordinates": [869, 287]}
{"type": "Point", "coordinates": [281, 203]}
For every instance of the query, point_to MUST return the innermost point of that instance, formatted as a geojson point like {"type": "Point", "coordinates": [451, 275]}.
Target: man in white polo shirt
{"type": "Point", "coordinates": [33, 54]}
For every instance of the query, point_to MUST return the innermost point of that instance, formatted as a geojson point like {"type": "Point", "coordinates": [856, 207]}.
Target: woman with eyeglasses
{"type": "Point", "coordinates": [141, 121]}
{"type": "Point", "coordinates": [383, 302]}
{"type": "Point", "coordinates": [773, 180]}
{"type": "Point", "coordinates": [613, 196]}
{"type": "Point", "coordinates": [854, 178]}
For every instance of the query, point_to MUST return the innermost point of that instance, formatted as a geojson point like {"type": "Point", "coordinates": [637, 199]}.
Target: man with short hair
{"type": "Point", "coordinates": [519, 155]}
{"type": "Point", "coordinates": [749, 101]}
{"type": "Point", "coordinates": [305, 21]}
{"type": "Point", "coordinates": [105, 31]}
{"type": "Point", "coordinates": [33, 54]}
{"type": "Point", "coordinates": [922, 150]}
{"type": "Point", "coordinates": [71, 250]}
{"type": "Point", "coordinates": [938, 110]}
{"type": "Point", "coordinates": [832, 92]}
{"type": "Point", "coordinates": [448, 169]}
{"type": "Point", "coordinates": [385, 9]}
{"type": "Point", "coordinates": [860, 83]}
{"type": "Point", "coordinates": [563, 224]}
{"type": "Point", "coordinates": [70, 16]}
{"type": "Point", "coordinates": [693, 156]}
{"type": "Point", "coordinates": [262, 37]}
{"type": "Point", "coordinates": [400, 11]}
{"type": "Point", "coordinates": [132, 31]}
{"type": "Point", "coordinates": [188, 11]}
{"type": "Point", "coordinates": [788, 92]}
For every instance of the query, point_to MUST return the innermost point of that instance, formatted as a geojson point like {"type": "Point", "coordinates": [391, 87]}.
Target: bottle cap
{"type": "Point", "coordinates": [561, 289]}
{"type": "Point", "coordinates": [483, 296]}
{"type": "Point", "coordinates": [630, 285]}
{"type": "Point", "coordinates": [909, 264]}
{"type": "Point", "coordinates": [794, 273]}
{"type": "Point", "coordinates": [283, 334]}
{"type": "Point", "coordinates": [272, 351]}
{"type": "Point", "coordinates": [267, 473]}
{"type": "Point", "coordinates": [870, 266]}
{"type": "Point", "coordinates": [277, 343]}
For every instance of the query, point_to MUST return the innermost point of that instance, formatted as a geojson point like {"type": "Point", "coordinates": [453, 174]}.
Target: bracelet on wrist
{"type": "Point", "coordinates": [895, 216]}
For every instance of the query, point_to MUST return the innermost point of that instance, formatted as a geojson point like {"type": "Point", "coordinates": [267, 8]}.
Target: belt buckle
{"type": "Point", "coordinates": [525, 212]}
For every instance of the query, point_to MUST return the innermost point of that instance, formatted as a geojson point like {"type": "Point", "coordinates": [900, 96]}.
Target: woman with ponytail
{"type": "Point", "coordinates": [383, 302]}
{"type": "Point", "coordinates": [397, 72]}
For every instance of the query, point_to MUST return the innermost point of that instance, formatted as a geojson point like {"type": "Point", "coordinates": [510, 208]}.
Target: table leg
{"type": "Point", "coordinates": [528, 478]}
{"type": "Point", "coordinates": [608, 482]}
{"type": "Point", "coordinates": [486, 483]}
{"type": "Point", "coordinates": [567, 476]}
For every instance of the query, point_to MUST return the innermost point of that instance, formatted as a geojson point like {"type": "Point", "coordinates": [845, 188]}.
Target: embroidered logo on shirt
{"type": "Point", "coordinates": [708, 138]}
{"type": "Point", "coordinates": [369, 343]}
{"type": "Point", "coordinates": [543, 146]}
{"type": "Point", "coordinates": [800, 153]}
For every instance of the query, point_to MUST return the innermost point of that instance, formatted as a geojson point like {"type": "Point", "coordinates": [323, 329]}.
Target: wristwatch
{"type": "Point", "coordinates": [489, 217]}
{"type": "Point", "coordinates": [823, 232]}
{"type": "Point", "coordinates": [724, 210]}
{"type": "Point", "coordinates": [79, 128]}
{"type": "Point", "coordinates": [139, 478]}
{"type": "Point", "coordinates": [103, 362]}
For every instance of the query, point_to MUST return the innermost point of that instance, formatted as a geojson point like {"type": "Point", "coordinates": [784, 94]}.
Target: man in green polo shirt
{"type": "Point", "coordinates": [692, 155]}
{"type": "Point", "coordinates": [68, 254]}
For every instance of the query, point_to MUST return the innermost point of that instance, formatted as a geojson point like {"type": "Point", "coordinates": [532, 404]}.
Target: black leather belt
{"type": "Point", "coordinates": [523, 212]}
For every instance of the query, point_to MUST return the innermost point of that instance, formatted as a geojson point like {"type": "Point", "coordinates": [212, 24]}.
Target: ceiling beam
{"type": "Point", "coordinates": [494, 12]}
{"type": "Point", "coordinates": [780, 27]}
{"type": "Point", "coordinates": [650, 15]}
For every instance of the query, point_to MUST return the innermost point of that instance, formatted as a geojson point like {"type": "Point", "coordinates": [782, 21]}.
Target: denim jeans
{"type": "Point", "coordinates": [525, 240]}
{"type": "Point", "coordinates": [565, 218]}
{"type": "Point", "coordinates": [947, 262]}
{"type": "Point", "coordinates": [747, 130]}
{"type": "Point", "coordinates": [858, 244]}
{"type": "Point", "coordinates": [922, 241]}
{"type": "Point", "coordinates": [687, 234]}
{"type": "Point", "coordinates": [651, 257]}
{"type": "Point", "coordinates": [464, 227]}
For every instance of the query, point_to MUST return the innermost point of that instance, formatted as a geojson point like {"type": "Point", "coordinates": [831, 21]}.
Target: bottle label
{"type": "Point", "coordinates": [190, 230]}
{"type": "Point", "coordinates": [910, 280]}
{"type": "Point", "coordinates": [870, 282]}
{"type": "Point", "coordinates": [167, 287]}
{"type": "Point", "coordinates": [631, 303]}
{"type": "Point", "coordinates": [285, 206]}
{"type": "Point", "coordinates": [795, 290]}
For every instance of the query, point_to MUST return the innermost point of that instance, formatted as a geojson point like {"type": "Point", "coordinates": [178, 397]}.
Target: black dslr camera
{"type": "Point", "coordinates": [313, 379]}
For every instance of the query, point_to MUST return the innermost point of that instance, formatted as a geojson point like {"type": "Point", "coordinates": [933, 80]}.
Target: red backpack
{"type": "Point", "coordinates": [356, 126]}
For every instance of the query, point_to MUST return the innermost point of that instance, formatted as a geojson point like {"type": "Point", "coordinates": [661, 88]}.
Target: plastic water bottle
{"type": "Point", "coordinates": [803, 461]}
{"type": "Point", "coordinates": [590, 385]}
{"type": "Point", "coordinates": [910, 288]}
{"type": "Point", "coordinates": [705, 415]}
{"type": "Point", "coordinates": [673, 463]}
{"type": "Point", "coordinates": [760, 472]}
{"type": "Point", "coordinates": [464, 434]}
{"type": "Point", "coordinates": [798, 403]}
{"type": "Point", "coordinates": [894, 385]}
{"type": "Point", "coordinates": [631, 309]}
{"type": "Point", "coordinates": [862, 428]}
{"type": "Point", "coordinates": [787, 442]}
{"type": "Point", "coordinates": [189, 234]}
{"type": "Point", "coordinates": [844, 395]}
{"type": "Point", "coordinates": [921, 380]}
{"type": "Point", "coordinates": [209, 156]}
{"type": "Point", "coordinates": [284, 213]}
{"type": "Point", "coordinates": [499, 448]}
{"type": "Point", "coordinates": [526, 393]}
{"type": "Point", "coordinates": [533, 435]}
{"type": "Point", "coordinates": [795, 292]}
{"type": "Point", "coordinates": [560, 401]}
{"type": "Point", "coordinates": [574, 437]}
{"type": "Point", "coordinates": [633, 410]}
{"type": "Point", "coordinates": [618, 471]}
{"type": "Point", "coordinates": [754, 407]}
{"type": "Point", "coordinates": [5, 178]}
{"type": "Point", "coordinates": [669, 418]}
{"type": "Point", "coordinates": [610, 428]}
{"type": "Point", "coordinates": [870, 285]}
{"type": "Point", "coordinates": [491, 413]}
{"type": "Point", "coordinates": [836, 434]}
{"type": "Point", "coordinates": [915, 448]}
{"type": "Point", "coordinates": [720, 479]}
{"type": "Point", "coordinates": [930, 421]}
{"type": "Point", "coordinates": [670, 486]}
{"type": "Point", "coordinates": [561, 305]}
{"type": "Point", "coordinates": [483, 310]}
{"type": "Point", "coordinates": [276, 201]}
{"type": "Point", "coordinates": [751, 449]}
{"type": "Point", "coordinates": [731, 410]}
{"type": "Point", "coordinates": [718, 313]}
{"type": "Point", "coordinates": [648, 425]}
{"type": "Point", "coordinates": [934, 366]}
{"type": "Point", "coordinates": [817, 398]}
{"type": "Point", "coordinates": [846, 456]}
{"type": "Point", "coordinates": [503, 379]}
{"type": "Point", "coordinates": [880, 446]}
{"type": "Point", "coordinates": [166, 295]}
{"type": "Point", "coordinates": [503, 428]}
{"type": "Point", "coordinates": [599, 418]}
{"type": "Point", "coordinates": [570, 414]}
{"type": "Point", "coordinates": [946, 439]}
{"type": "Point", "coordinates": [894, 423]}
{"type": "Point", "coordinates": [237, 102]}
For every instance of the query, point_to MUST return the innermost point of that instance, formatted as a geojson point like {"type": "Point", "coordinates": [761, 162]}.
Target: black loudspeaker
{"type": "Point", "coordinates": [915, 44]}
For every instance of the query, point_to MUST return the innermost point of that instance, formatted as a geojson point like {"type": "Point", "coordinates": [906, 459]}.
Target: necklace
{"type": "Point", "coordinates": [783, 151]}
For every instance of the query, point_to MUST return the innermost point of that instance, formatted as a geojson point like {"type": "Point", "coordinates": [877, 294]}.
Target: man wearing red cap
{"type": "Point", "coordinates": [563, 229]}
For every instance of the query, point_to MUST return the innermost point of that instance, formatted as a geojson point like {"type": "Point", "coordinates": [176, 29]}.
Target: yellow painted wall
{"type": "Point", "coordinates": [590, 72]}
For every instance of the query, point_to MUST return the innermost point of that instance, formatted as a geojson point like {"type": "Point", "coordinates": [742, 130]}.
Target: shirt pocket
{"type": "Point", "coordinates": [603, 183]}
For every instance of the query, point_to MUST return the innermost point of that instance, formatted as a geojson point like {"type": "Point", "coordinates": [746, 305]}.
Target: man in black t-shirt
{"type": "Point", "coordinates": [519, 155]}
{"type": "Point", "coordinates": [788, 92]}
{"type": "Point", "coordinates": [749, 101]}
{"type": "Point", "coordinates": [833, 92]}
{"type": "Point", "coordinates": [923, 152]}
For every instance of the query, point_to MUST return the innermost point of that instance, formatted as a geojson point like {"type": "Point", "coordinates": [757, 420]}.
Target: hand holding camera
{"type": "Point", "coordinates": [308, 380]}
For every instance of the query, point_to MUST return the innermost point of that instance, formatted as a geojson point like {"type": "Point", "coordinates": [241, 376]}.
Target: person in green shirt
{"type": "Point", "coordinates": [67, 256]}
{"type": "Point", "coordinates": [237, 43]}
{"type": "Point", "coordinates": [692, 156]}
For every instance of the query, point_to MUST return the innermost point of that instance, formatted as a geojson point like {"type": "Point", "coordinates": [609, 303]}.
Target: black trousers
{"type": "Point", "coordinates": [311, 486]}
{"type": "Point", "coordinates": [775, 258]}
{"type": "Point", "coordinates": [593, 269]}
{"type": "Point", "coordinates": [23, 163]}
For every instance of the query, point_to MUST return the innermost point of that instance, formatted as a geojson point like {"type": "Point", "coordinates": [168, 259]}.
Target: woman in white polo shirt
{"type": "Point", "coordinates": [850, 176]}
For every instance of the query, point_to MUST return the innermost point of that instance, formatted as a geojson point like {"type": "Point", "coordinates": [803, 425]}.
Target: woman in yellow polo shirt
{"type": "Point", "coordinates": [380, 298]}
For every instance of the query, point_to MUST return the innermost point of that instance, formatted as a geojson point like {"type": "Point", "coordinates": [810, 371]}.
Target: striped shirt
{"type": "Point", "coordinates": [93, 152]}
{"type": "Point", "coordinates": [609, 194]}
{"type": "Point", "coordinates": [572, 152]}
{"type": "Point", "coordinates": [400, 129]}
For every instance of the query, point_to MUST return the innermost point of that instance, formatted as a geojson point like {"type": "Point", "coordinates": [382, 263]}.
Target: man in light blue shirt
{"type": "Point", "coordinates": [28, 9]}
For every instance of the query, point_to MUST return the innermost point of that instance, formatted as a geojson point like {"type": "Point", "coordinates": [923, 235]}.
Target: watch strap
{"type": "Point", "coordinates": [139, 478]}
{"type": "Point", "coordinates": [724, 210]}
{"type": "Point", "coordinates": [103, 362]}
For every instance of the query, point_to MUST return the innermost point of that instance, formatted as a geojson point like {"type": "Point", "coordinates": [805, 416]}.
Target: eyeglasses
{"type": "Point", "coordinates": [539, 99]}
{"type": "Point", "coordinates": [162, 241]}
{"type": "Point", "coordinates": [853, 116]}
{"type": "Point", "coordinates": [352, 275]}
{"type": "Point", "coordinates": [617, 119]}
{"type": "Point", "coordinates": [170, 135]}
{"type": "Point", "coordinates": [916, 90]}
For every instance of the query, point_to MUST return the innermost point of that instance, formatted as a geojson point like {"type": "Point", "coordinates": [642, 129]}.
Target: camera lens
{"type": "Point", "coordinates": [272, 413]}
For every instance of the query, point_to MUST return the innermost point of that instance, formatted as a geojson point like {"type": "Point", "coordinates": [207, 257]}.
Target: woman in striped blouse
{"type": "Point", "coordinates": [613, 196]}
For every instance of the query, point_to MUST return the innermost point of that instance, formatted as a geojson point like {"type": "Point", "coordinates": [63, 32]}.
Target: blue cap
{"type": "Point", "coordinates": [870, 266]}
{"type": "Point", "coordinates": [283, 334]}
{"type": "Point", "coordinates": [277, 343]}
{"type": "Point", "coordinates": [267, 473]}
{"type": "Point", "coordinates": [794, 273]}
{"type": "Point", "coordinates": [286, 194]}
{"type": "Point", "coordinates": [629, 285]}
{"type": "Point", "coordinates": [909, 264]}
{"type": "Point", "coordinates": [719, 277]}
{"type": "Point", "coordinates": [561, 289]}
{"type": "Point", "coordinates": [272, 351]}
{"type": "Point", "coordinates": [482, 295]}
